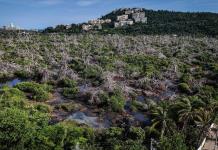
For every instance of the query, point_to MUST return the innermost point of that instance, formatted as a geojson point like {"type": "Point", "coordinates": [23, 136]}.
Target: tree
{"type": "Point", "coordinates": [160, 117]}
{"type": "Point", "coordinates": [186, 111]}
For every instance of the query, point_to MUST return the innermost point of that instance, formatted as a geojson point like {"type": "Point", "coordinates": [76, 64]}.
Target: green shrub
{"type": "Point", "coordinates": [67, 83]}
{"type": "Point", "coordinates": [117, 101]}
{"type": "Point", "coordinates": [94, 73]}
{"type": "Point", "coordinates": [104, 98]}
{"type": "Point", "coordinates": [186, 78]}
{"type": "Point", "coordinates": [69, 107]}
{"type": "Point", "coordinates": [136, 133]}
{"type": "Point", "coordinates": [173, 142]}
{"type": "Point", "coordinates": [78, 135]}
{"type": "Point", "coordinates": [22, 74]}
{"type": "Point", "coordinates": [77, 64]}
{"type": "Point", "coordinates": [39, 92]}
{"type": "Point", "coordinates": [12, 97]}
{"type": "Point", "coordinates": [5, 76]}
{"type": "Point", "coordinates": [70, 92]}
{"type": "Point", "coordinates": [15, 129]}
{"type": "Point", "coordinates": [184, 87]}
{"type": "Point", "coordinates": [43, 108]}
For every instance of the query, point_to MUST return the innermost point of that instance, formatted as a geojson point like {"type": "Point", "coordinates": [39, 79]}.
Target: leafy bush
{"type": "Point", "coordinates": [137, 134]}
{"type": "Point", "coordinates": [40, 92]}
{"type": "Point", "coordinates": [15, 129]}
{"type": "Point", "coordinates": [69, 107]}
{"type": "Point", "coordinates": [94, 73]}
{"type": "Point", "coordinates": [70, 92]}
{"type": "Point", "coordinates": [114, 100]}
{"type": "Point", "coordinates": [22, 74]}
{"type": "Point", "coordinates": [43, 108]}
{"type": "Point", "coordinates": [184, 87]}
{"type": "Point", "coordinates": [67, 83]}
{"type": "Point", "coordinates": [104, 98]}
{"type": "Point", "coordinates": [12, 97]}
{"type": "Point", "coordinates": [77, 64]}
{"type": "Point", "coordinates": [117, 101]}
{"type": "Point", "coordinates": [173, 142]}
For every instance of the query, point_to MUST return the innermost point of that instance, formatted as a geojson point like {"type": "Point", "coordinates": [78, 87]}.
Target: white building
{"type": "Point", "coordinates": [122, 18]}
{"type": "Point", "coordinates": [99, 21]}
{"type": "Point", "coordinates": [128, 12]}
{"type": "Point", "coordinates": [140, 17]}
{"type": "Point", "coordinates": [87, 27]}
{"type": "Point", "coordinates": [11, 27]}
{"type": "Point", "coordinates": [123, 23]}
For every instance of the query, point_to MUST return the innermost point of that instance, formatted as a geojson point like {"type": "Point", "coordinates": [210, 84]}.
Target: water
{"type": "Point", "coordinates": [141, 118]}
{"type": "Point", "coordinates": [11, 83]}
{"type": "Point", "coordinates": [138, 116]}
{"type": "Point", "coordinates": [127, 106]}
{"type": "Point", "coordinates": [83, 88]}
{"type": "Point", "coordinates": [141, 98]}
{"type": "Point", "coordinates": [82, 118]}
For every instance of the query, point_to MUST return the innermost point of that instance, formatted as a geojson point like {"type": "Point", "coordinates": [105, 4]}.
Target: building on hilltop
{"type": "Point", "coordinates": [87, 27]}
{"type": "Point", "coordinates": [122, 18]}
{"type": "Point", "coordinates": [99, 21]}
{"type": "Point", "coordinates": [129, 12]}
{"type": "Point", "coordinates": [123, 23]}
{"type": "Point", "coordinates": [68, 26]}
{"type": "Point", "coordinates": [140, 17]}
{"type": "Point", "coordinates": [95, 24]}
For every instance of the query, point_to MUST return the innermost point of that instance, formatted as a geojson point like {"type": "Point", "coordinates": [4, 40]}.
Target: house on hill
{"type": "Point", "coordinates": [139, 17]}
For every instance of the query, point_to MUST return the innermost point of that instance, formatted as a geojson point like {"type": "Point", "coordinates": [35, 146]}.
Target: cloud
{"type": "Point", "coordinates": [86, 2]}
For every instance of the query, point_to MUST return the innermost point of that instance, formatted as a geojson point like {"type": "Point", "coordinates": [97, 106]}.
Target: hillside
{"type": "Point", "coordinates": [159, 22]}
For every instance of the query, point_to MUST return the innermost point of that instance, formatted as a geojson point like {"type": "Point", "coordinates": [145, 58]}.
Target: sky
{"type": "Point", "coordinates": [38, 14]}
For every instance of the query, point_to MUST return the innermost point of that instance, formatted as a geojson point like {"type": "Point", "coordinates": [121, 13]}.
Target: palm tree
{"type": "Point", "coordinates": [204, 118]}
{"type": "Point", "coordinates": [186, 111]}
{"type": "Point", "coordinates": [160, 118]}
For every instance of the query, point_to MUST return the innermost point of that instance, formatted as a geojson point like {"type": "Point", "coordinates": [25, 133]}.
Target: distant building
{"type": "Point", "coordinates": [122, 18]}
{"type": "Point", "coordinates": [87, 27]}
{"type": "Point", "coordinates": [68, 26]}
{"type": "Point", "coordinates": [128, 12]}
{"type": "Point", "coordinates": [123, 23]}
{"type": "Point", "coordinates": [99, 21]}
{"type": "Point", "coordinates": [10, 27]}
{"type": "Point", "coordinates": [97, 27]}
{"type": "Point", "coordinates": [140, 17]}
{"type": "Point", "coordinates": [107, 20]}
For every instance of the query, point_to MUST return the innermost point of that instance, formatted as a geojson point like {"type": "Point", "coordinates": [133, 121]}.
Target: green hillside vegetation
{"type": "Point", "coordinates": [159, 22]}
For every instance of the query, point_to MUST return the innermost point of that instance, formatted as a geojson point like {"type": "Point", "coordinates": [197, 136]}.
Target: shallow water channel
{"type": "Point", "coordinates": [11, 83]}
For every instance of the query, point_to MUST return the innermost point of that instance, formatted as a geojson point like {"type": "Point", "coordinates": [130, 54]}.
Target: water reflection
{"type": "Point", "coordinates": [83, 118]}
{"type": "Point", "coordinates": [10, 83]}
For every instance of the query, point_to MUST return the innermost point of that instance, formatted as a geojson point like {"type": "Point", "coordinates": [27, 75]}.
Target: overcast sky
{"type": "Point", "coordinates": [39, 14]}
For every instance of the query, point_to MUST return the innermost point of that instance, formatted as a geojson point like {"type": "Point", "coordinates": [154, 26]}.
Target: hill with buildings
{"type": "Point", "coordinates": [150, 22]}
